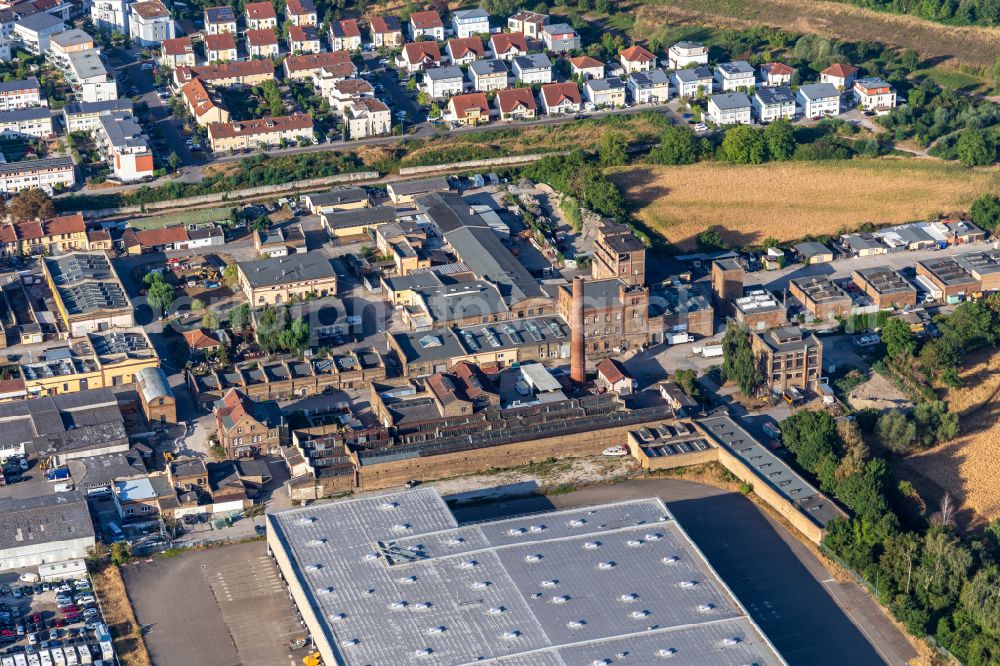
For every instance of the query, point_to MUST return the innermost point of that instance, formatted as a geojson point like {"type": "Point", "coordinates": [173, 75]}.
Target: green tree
{"type": "Point", "coordinates": [121, 553]}
{"type": "Point", "coordinates": [613, 149]}
{"type": "Point", "coordinates": [811, 436]}
{"type": "Point", "coordinates": [230, 275]}
{"type": "Point", "coordinates": [942, 570]}
{"type": "Point", "coordinates": [896, 432]}
{"type": "Point", "coordinates": [975, 148]}
{"type": "Point", "coordinates": [985, 211]}
{"type": "Point", "coordinates": [898, 338]}
{"type": "Point", "coordinates": [197, 304]}
{"type": "Point", "coordinates": [210, 320]}
{"type": "Point", "coordinates": [239, 317]}
{"type": "Point", "coordinates": [744, 145]}
{"type": "Point", "coordinates": [739, 364]}
{"type": "Point", "coordinates": [160, 294]}
{"type": "Point", "coordinates": [780, 136]}
{"type": "Point", "coordinates": [174, 160]}
{"type": "Point", "coordinates": [710, 239]}
{"type": "Point", "coordinates": [910, 59]}
{"type": "Point", "coordinates": [935, 424]}
{"type": "Point", "coordinates": [29, 205]}
{"type": "Point", "coordinates": [678, 145]}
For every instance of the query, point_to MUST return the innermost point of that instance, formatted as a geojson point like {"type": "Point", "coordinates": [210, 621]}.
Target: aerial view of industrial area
{"type": "Point", "coordinates": [545, 333]}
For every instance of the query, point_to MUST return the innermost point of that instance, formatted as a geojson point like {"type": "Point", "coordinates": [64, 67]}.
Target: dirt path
{"type": "Point", "coordinates": [979, 47]}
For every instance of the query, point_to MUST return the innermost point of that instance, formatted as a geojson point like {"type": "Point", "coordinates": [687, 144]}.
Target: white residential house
{"type": "Point", "coordinates": [125, 147]}
{"type": "Point", "coordinates": [773, 103]}
{"type": "Point", "coordinates": [508, 45]}
{"type": "Point", "coordinates": [560, 38]}
{"type": "Point", "coordinates": [345, 35]}
{"type": "Point", "coordinates": [417, 56]}
{"type": "Point", "coordinates": [686, 54]}
{"type": "Point", "coordinates": [874, 94]}
{"type": "Point", "coordinates": [32, 32]}
{"type": "Point", "coordinates": [261, 15]}
{"type": "Point", "coordinates": [733, 76]}
{"type": "Point", "coordinates": [637, 59]}
{"type": "Point", "coordinates": [651, 87]}
{"type": "Point", "coordinates": [464, 50]}
{"type": "Point", "coordinates": [818, 100]}
{"type": "Point", "coordinates": [442, 82]}
{"type": "Point", "coordinates": [693, 82]}
{"type": "Point", "coordinates": [366, 116]}
{"type": "Point", "coordinates": [561, 98]}
{"type": "Point", "coordinates": [608, 93]}
{"type": "Point", "coordinates": [150, 23]}
{"type": "Point", "coordinates": [729, 109]}
{"type": "Point", "coordinates": [343, 92]}
{"type": "Point", "coordinates": [535, 68]}
{"type": "Point", "coordinates": [469, 22]}
{"type": "Point", "coordinates": [527, 23]}
{"type": "Point", "coordinates": [586, 67]}
{"type": "Point", "coordinates": [839, 75]}
{"type": "Point", "coordinates": [775, 74]}
{"type": "Point", "coordinates": [110, 15]}
{"type": "Point", "coordinates": [487, 75]}
{"type": "Point", "coordinates": [427, 24]}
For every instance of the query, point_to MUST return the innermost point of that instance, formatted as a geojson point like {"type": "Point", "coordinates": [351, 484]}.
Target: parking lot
{"type": "Point", "coordinates": [222, 606]}
{"type": "Point", "coordinates": [42, 619]}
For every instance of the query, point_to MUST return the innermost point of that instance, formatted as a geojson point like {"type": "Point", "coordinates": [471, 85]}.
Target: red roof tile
{"type": "Point", "coordinates": [637, 54]}
{"type": "Point", "coordinates": [556, 93]}
{"type": "Point", "coordinates": [512, 98]}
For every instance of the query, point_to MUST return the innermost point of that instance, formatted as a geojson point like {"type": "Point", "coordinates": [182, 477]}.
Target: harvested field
{"type": "Point", "coordinates": [791, 199]}
{"type": "Point", "coordinates": [966, 45]}
{"type": "Point", "coordinates": [968, 467]}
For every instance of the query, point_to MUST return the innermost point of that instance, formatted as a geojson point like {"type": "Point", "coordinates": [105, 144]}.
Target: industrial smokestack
{"type": "Point", "coordinates": [578, 349]}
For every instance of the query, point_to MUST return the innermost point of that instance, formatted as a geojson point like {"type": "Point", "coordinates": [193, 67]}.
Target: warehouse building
{"type": "Point", "coordinates": [88, 293]}
{"type": "Point", "coordinates": [391, 578]}
{"type": "Point", "coordinates": [822, 297]}
{"type": "Point", "coordinates": [43, 530]}
{"type": "Point", "coordinates": [886, 287]}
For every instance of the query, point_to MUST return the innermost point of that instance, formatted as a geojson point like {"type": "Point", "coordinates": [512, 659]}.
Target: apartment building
{"type": "Point", "coordinates": [772, 103]}
{"type": "Point", "coordinates": [818, 100]}
{"type": "Point", "coordinates": [337, 63]}
{"type": "Point", "coordinates": [734, 76]}
{"type": "Point", "coordinates": [529, 24]}
{"type": "Point", "coordinates": [241, 73]}
{"type": "Point", "coordinates": [85, 116]}
{"type": "Point", "coordinates": [49, 174]}
{"type": "Point", "coordinates": [729, 109]}
{"type": "Point", "coordinates": [90, 78]}
{"type": "Point", "coordinates": [69, 41]}
{"type": "Point", "coordinates": [177, 52]}
{"type": "Point", "coordinates": [685, 54]}
{"type": "Point", "coordinates": [22, 94]}
{"type": "Point", "coordinates": [260, 133]}
{"type": "Point", "coordinates": [874, 94]}
{"type": "Point", "coordinates": [110, 15]}
{"type": "Point", "coordinates": [125, 147]}
{"type": "Point", "coordinates": [366, 116]}
{"type": "Point", "coordinates": [247, 428]}
{"type": "Point", "coordinates": [26, 123]}
{"type": "Point", "coordinates": [470, 22]}
{"type": "Point", "coordinates": [150, 23]}
{"type": "Point", "coordinates": [32, 32]}
{"type": "Point", "coordinates": [203, 104]}
{"type": "Point", "coordinates": [788, 357]}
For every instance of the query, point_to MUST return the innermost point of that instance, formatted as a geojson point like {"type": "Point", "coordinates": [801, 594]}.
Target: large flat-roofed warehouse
{"type": "Point", "coordinates": [88, 292]}
{"type": "Point", "coordinates": [947, 276]}
{"type": "Point", "coordinates": [822, 297]}
{"type": "Point", "coordinates": [984, 266]}
{"type": "Point", "coordinates": [393, 579]}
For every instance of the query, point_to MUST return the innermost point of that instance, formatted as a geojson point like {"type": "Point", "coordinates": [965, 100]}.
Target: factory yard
{"type": "Point", "coordinates": [221, 606]}
{"type": "Point", "coordinates": [782, 200]}
{"type": "Point", "coordinates": [967, 467]}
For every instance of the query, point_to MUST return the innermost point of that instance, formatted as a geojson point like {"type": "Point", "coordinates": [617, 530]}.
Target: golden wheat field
{"type": "Point", "coordinates": [789, 200]}
{"type": "Point", "coordinates": [969, 466]}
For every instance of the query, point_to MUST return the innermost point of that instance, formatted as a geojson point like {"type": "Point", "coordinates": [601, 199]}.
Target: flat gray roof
{"type": "Point", "coordinates": [729, 101]}
{"type": "Point", "coordinates": [443, 73]}
{"type": "Point", "coordinates": [886, 280]}
{"type": "Point", "coordinates": [814, 91]}
{"type": "Point", "coordinates": [394, 579]}
{"type": "Point", "coordinates": [770, 469]}
{"type": "Point", "coordinates": [485, 67]}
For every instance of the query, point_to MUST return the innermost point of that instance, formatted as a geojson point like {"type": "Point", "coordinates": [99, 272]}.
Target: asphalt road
{"type": "Point", "coordinates": [809, 617]}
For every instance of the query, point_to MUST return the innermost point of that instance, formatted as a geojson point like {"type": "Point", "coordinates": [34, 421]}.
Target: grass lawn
{"type": "Point", "coordinates": [790, 200]}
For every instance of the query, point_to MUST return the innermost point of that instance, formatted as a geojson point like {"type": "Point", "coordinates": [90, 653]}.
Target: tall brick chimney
{"type": "Point", "coordinates": [578, 347]}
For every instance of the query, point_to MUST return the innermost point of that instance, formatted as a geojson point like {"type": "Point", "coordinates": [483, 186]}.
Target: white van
{"type": "Point", "coordinates": [62, 487]}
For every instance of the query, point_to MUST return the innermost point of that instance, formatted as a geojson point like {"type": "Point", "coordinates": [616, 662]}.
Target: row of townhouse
{"type": "Point", "coordinates": [515, 104]}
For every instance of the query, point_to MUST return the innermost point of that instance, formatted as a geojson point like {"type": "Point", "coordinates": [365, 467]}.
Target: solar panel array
{"type": "Point", "coordinates": [393, 580]}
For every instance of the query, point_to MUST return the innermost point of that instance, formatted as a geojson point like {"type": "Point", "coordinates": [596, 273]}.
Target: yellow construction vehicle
{"type": "Point", "coordinates": [312, 659]}
{"type": "Point", "coordinates": [168, 457]}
